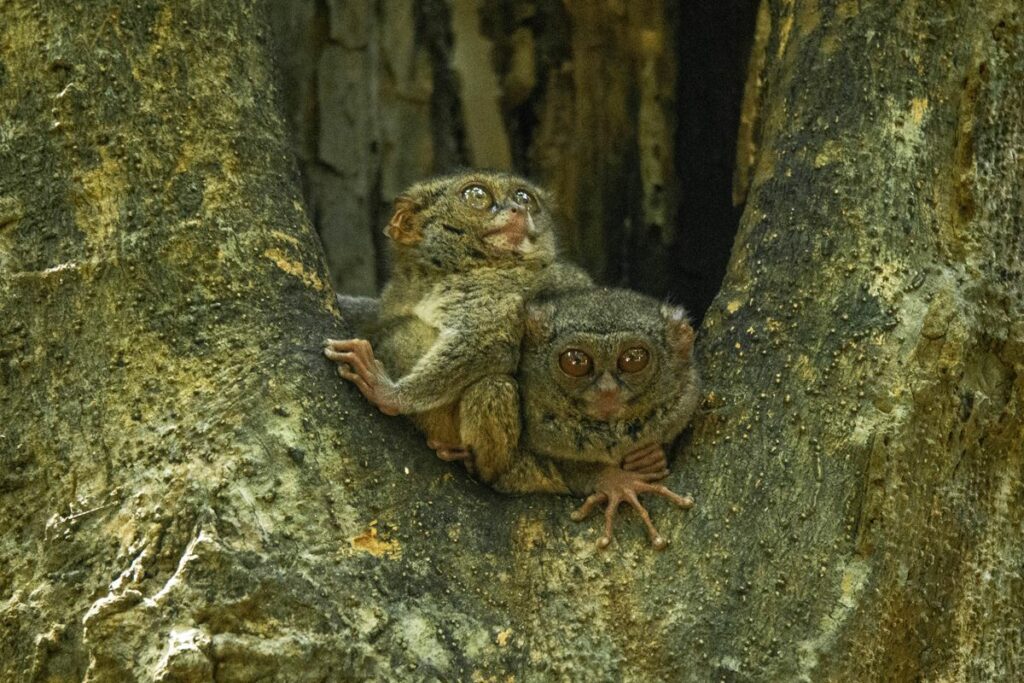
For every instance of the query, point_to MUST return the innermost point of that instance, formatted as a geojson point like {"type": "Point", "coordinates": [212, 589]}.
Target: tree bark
{"type": "Point", "coordinates": [586, 97]}
{"type": "Point", "coordinates": [190, 493]}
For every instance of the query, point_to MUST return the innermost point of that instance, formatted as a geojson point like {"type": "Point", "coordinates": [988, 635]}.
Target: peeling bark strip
{"type": "Point", "coordinates": [187, 492]}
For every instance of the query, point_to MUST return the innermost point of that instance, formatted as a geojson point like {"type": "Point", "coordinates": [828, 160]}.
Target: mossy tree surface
{"type": "Point", "coordinates": [190, 493]}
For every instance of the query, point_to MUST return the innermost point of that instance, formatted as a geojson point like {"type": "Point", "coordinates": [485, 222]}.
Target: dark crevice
{"type": "Point", "coordinates": [713, 48]}
{"type": "Point", "coordinates": [434, 30]}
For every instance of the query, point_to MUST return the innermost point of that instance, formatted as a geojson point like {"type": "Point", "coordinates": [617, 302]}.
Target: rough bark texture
{"type": "Point", "coordinates": [862, 455]}
{"type": "Point", "coordinates": [627, 110]}
{"type": "Point", "coordinates": [189, 493]}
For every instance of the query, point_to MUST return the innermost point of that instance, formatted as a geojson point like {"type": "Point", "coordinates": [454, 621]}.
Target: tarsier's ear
{"type": "Point", "coordinates": [404, 226]}
{"type": "Point", "coordinates": [539, 326]}
{"type": "Point", "coordinates": [678, 331]}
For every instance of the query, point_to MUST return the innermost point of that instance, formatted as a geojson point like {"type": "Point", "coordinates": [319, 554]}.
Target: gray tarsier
{"type": "Point", "coordinates": [607, 377]}
{"type": "Point", "coordinates": [468, 250]}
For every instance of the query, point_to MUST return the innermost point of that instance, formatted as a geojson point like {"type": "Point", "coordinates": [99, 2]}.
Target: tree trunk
{"type": "Point", "coordinates": [189, 493]}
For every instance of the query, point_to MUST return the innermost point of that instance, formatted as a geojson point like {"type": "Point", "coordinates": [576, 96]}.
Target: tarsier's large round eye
{"type": "Point", "coordinates": [634, 359]}
{"type": "Point", "coordinates": [478, 197]}
{"type": "Point", "coordinates": [575, 363]}
{"type": "Point", "coordinates": [524, 198]}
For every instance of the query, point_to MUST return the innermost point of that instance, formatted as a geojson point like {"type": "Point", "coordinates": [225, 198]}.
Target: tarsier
{"type": "Point", "coordinates": [607, 377]}
{"type": "Point", "coordinates": [469, 250]}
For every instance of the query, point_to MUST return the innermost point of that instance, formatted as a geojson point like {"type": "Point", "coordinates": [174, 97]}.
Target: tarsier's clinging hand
{"type": "Point", "coordinates": [607, 377]}
{"type": "Point", "coordinates": [357, 364]}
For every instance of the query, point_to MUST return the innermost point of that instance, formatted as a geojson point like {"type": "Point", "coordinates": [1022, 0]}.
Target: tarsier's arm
{"type": "Point", "coordinates": [458, 357]}
{"type": "Point", "coordinates": [532, 472]}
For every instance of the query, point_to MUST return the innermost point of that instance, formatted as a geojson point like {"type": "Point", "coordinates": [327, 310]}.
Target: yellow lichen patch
{"type": "Point", "coordinates": [918, 108]}
{"type": "Point", "coordinates": [295, 269]}
{"type": "Point", "coordinates": [502, 638]}
{"type": "Point", "coordinates": [369, 542]}
{"type": "Point", "coordinates": [529, 533]}
{"type": "Point", "coordinates": [830, 152]}
{"type": "Point", "coordinates": [886, 281]}
{"type": "Point", "coordinates": [285, 238]}
{"type": "Point", "coordinates": [829, 44]}
{"type": "Point", "coordinates": [96, 200]}
{"type": "Point", "coordinates": [162, 28]}
{"type": "Point", "coordinates": [847, 9]}
{"type": "Point", "coordinates": [809, 17]}
{"type": "Point", "coordinates": [785, 27]}
{"type": "Point", "coordinates": [805, 369]}
{"type": "Point", "coordinates": [481, 677]}
{"type": "Point", "coordinates": [733, 306]}
{"type": "Point", "coordinates": [219, 189]}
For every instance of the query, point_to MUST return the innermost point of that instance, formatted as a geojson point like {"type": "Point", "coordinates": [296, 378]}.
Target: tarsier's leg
{"type": "Point", "coordinates": [489, 424]}
{"type": "Point", "coordinates": [615, 486]}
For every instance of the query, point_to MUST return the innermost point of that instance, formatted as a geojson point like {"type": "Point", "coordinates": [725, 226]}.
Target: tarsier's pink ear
{"type": "Point", "coordinates": [538, 322]}
{"type": "Point", "coordinates": [680, 334]}
{"type": "Point", "coordinates": [404, 226]}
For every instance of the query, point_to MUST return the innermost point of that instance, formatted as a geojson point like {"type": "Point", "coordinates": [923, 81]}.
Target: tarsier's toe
{"type": "Point", "coordinates": [659, 543]}
{"type": "Point", "coordinates": [453, 454]}
{"type": "Point", "coordinates": [449, 452]}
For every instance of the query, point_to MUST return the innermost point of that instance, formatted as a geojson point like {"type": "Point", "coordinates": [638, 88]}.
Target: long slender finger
{"type": "Point", "coordinates": [583, 511]}
{"type": "Point", "coordinates": [360, 383]}
{"type": "Point", "coordinates": [641, 453]}
{"type": "Point", "coordinates": [353, 359]}
{"type": "Point", "coordinates": [685, 502]}
{"type": "Point", "coordinates": [437, 445]}
{"type": "Point", "coordinates": [364, 350]}
{"type": "Point", "coordinates": [650, 458]}
{"type": "Point", "coordinates": [652, 476]}
{"type": "Point", "coordinates": [656, 466]}
{"type": "Point", "coordinates": [609, 520]}
{"type": "Point", "coordinates": [359, 366]}
{"type": "Point", "coordinates": [331, 353]}
{"type": "Point", "coordinates": [453, 454]}
{"type": "Point", "coordinates": [341, 345]}
{"type": "Point", "coordinates": [657, 540]}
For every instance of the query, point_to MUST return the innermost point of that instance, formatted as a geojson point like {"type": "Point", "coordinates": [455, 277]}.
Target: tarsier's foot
{"type": "Point", "coordinates": [615, 486]}
{"type": "Point", "coordinates": [357, 364]}
{"type": "Point", "coordinates": [449, 452]}
{"type": "Point", "coordinates": [648, 462]}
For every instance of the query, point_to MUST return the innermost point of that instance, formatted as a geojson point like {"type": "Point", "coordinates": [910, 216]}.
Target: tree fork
{"type": "Point", "coordinates": [191, 493]}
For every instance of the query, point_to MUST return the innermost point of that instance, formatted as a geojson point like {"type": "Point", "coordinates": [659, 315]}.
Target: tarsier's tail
{"type": "Point", "coordinates": [361, 312]}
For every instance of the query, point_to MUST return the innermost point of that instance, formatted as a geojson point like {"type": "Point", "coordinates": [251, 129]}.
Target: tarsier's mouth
{"type": "Point", "coordinates": [606, 409]}
{"type": "Point", "coordinates": [513, 232]}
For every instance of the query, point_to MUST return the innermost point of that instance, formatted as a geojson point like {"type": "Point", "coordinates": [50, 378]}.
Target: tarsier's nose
{"type": "Point", "coordinates": [607, 386]}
